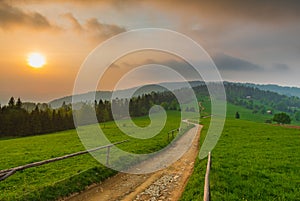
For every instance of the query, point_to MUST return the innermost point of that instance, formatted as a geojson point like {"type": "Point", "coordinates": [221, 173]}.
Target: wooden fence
{"type": "Point", "coordinates": [172, 132]}
{"type": "Point", "coordinates": [206, 196]}
{"type": "Point", "coordinates": [8, 172]}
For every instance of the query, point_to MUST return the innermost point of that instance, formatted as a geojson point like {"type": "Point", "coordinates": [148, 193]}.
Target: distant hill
{"type": "Point", "coordinates": [254, 96]}
{"type": "Point", "coordinates": [284, 90]}
{"type": "Point", "coordinates": [126, 93]}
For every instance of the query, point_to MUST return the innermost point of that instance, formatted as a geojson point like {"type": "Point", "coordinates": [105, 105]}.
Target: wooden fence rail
{"type": "Point", "coordinates": [206, 196]}
{"type": "Point", "coordinates": [8, 172]}
{"type": "Point", "coordinates": [172, 132]}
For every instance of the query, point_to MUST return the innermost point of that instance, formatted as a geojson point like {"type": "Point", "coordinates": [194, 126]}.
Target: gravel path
{"type": "Point", "coordinates": [166, 184]}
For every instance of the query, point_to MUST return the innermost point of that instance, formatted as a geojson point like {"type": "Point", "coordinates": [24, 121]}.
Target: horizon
{"type": "Point", "coordinates": [44, 44]}
{"type": "Point", "coordinates": [137, 86]}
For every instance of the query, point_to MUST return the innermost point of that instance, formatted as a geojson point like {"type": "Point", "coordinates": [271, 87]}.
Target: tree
{"type": "Point", "coordinates": [64, 106]}
{"type": "Point", "coordinates": [282, 118]}
{"type": "Point", "coordinates": [11, 102]}
{"type": "Point", "coordinates": [237, 115]}
{"type": "Point", "coordinates": [19, 103]}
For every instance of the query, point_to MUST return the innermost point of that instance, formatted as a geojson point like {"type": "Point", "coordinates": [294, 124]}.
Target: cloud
{"type": "Point", "coordinates": [76, 26]}
{"type": "Point", "coordinates": [114, 66]}
{"type": "Point", "coordinates": [260, 11]}
{"type": "Point", "coordinates": [230, 63]}
{"type": "Point", "coordinates": [180, 66]}
{"type": "Point", "coordinates": [217, 10]}
{"type": "Point", "coordinates": [101, 30]}
{"type": "Point", "coordinates": [281, 67]}
{"type": "Point", "coordinates": [11, 17]}
{"type": "Point", "coordinates": [96, 30]}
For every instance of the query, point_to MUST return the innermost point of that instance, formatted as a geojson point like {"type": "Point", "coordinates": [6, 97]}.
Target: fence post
{"type": "Point", "coordinates": [206, 184]}
{"type": "Point", "coordinates": [107, 156]}
{"type": "Point", "coordinates": [173, 133]}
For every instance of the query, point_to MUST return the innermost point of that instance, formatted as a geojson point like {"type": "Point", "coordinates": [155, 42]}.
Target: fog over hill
{"type": "Point", "coordinates": [284, 90]}
{"type": "Point", "coordinates": [126, 93]}
{"type": "Point", "coordinates": [136, 91]}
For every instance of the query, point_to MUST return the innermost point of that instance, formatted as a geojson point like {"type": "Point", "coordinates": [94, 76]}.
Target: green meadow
{"type": "Point", "coordinates": [252, 161]}
{"type": "Point", "coordinates": [61, 178]}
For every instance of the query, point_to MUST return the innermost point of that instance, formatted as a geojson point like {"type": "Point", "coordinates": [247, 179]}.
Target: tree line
{"type": "Point", "coordinates": [124, 108]}
{"type": "Point", "coordinates": [259, 101]}
{"type": "Point", "coordinates": [17, 121]}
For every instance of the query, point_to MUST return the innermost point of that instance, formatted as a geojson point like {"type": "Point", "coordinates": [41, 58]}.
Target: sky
{"type": "Point", "coordinates": [249, 41]}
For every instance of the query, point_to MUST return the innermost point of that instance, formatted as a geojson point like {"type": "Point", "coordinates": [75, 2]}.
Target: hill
{"type": "Point", "coordinates": [284, 90]}
{"type": "Point", "coordinates": [61, 178]}
{"type": "Point", "coordinates": [106, 95]}
{"type": "Point", "coordinates": [126, 93]}
{"type": "Point", "coordinates": [257, 101]}
{"type": "Point", "coordinates": [252, 161]}
{"type": "Point", "coordinates": [249, 96]}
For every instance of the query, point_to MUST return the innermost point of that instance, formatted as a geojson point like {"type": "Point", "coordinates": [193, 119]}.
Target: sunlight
{"type": "Point", "coordinates": [36, 60]}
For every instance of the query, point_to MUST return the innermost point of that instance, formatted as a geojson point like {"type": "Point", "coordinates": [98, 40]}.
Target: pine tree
{"type": "Point", "coordinates": [19, 104]}
{"type": "Point", "coordinates": [11, 102]}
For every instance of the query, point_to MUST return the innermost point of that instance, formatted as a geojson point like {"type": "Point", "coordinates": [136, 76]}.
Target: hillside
{"type": "Point", "coordinates": [252, 161]}
{"type": "Point", "coordinates": [242, 99]}
{"type": "Point", "coordinates": [250, 96]}
{"type": "Point", "coordinates": [51, 181]}
{"type": "Point", "coordinates": [126, 93]}
{"type": "Point", "coordinates": [251, 103]}
{"type": "Point", "coordinates": [284, 90]}
{"type": "Point", "coordinates": [256, 101]}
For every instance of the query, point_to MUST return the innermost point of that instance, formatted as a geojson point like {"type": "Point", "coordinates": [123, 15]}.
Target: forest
{"type": "Point", "coordinates": [17, 121]}
{"type": "Point", "coordinates": [257, 100]}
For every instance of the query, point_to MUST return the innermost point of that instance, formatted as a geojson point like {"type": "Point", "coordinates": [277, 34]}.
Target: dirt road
{"type": "Point", "coordinates": [166, 184]}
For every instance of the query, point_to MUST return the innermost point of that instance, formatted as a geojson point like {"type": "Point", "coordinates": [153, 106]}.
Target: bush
{"type": "Point", "coordinates": [282, 118]}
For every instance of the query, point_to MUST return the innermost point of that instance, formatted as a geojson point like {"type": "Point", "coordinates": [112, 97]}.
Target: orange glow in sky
{"type": "Point", "coordinates": [36, 60]}
{"type": "Point", "coordinates": [249, 41]}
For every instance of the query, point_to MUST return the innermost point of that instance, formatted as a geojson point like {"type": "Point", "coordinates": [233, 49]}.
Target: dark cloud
{"type": "Point", "coordinates": [261, 10]}
{"type": "Point", "coordinates": [101, 30]}
{"type": "Point", "coordinates": [258, 10]}
{"type": "Point", "coordinates": [281, 67]}
{"type": "Point", "coordinates": [180, 66]}
{"type": "Point", "coordinates": [11, 17]}
{"type": "Point", "coordinates": [230, 63]}
{"type": "Point", "coordinates": [95, 29]}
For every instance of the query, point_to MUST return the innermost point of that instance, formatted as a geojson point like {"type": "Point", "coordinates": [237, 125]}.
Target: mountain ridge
{"type": "Point", "coordinates": [126, 93]}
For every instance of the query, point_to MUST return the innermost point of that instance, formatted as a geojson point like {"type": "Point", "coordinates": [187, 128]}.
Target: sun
{"type": "Point", "coordinates": [36, 60]}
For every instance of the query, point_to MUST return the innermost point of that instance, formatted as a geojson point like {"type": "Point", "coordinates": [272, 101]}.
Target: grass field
{"type": "Point", "coordinates": [61, 178]}
{"type": "Point", "coordinates": [245, 114]}
{"type": "Point", "coordinates": [252, 161]}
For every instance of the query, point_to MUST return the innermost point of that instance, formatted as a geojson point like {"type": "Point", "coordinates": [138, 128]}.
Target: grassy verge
{"type": "Point", "coordinates": [51, 181]}
{"type": "Point", "coordinates": [251, 161]}
{"type": "Point", "coordinates": [194, 188]}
